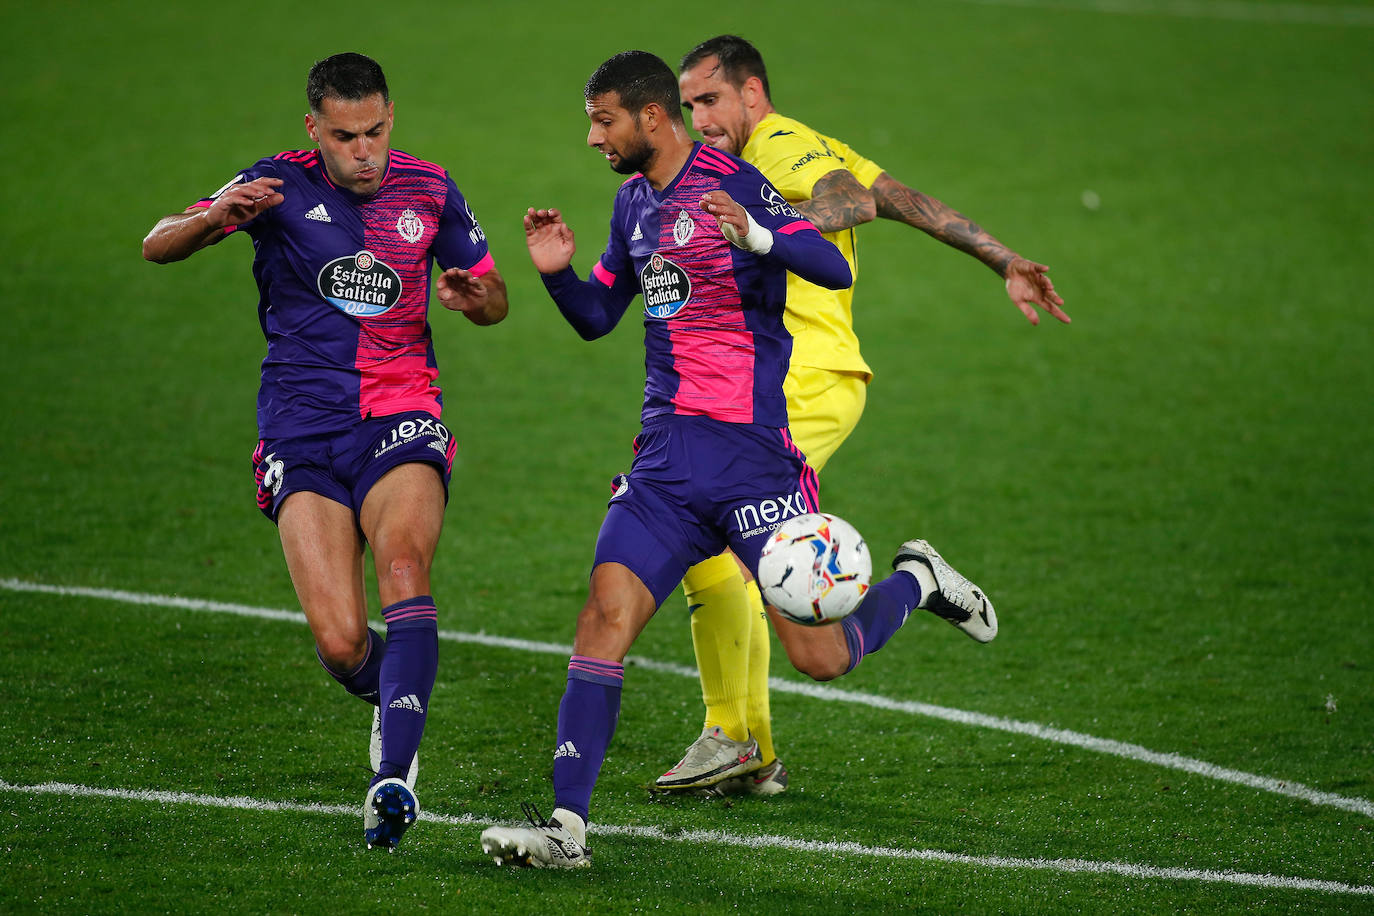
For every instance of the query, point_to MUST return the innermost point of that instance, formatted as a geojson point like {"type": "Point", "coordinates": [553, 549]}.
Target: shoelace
{"type": "Point", "coordinates": [532, 815]}
{"type": "Point", "coordinates": [539, 822]}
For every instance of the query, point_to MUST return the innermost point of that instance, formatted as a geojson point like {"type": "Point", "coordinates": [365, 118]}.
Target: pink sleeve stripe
{"type": "Point", "coordinates": [797, 226]}
{"type": "Point", "coordinates": [482, 266]}
{"type": "Point", "coordinates": [202, 204]}
{"type": "Point", "coordinates": [604, 275]}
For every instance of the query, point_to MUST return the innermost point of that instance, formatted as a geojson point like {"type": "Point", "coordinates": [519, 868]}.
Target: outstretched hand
{"type": "Point", "coordinates": [460, 290]}
{"type": "Point", "coordinates": [241, 202]}
{"type": "Point", "coordinates": [549, 239]}
{"type": "Point", "coordinates": [1028, 286]}
{"type": "Point", "coordinates": [481, 299]}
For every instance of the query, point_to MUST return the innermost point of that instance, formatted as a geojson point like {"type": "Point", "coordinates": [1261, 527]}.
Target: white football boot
{"type": "Point", "coordinates": [956, 599]}
{"type": "Point", "coordinates": [712, 757]}
{"type": "Point", "coordinates": [542, 844]}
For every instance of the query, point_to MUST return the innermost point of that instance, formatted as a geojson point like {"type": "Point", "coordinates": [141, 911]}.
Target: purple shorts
{"type": "Point", "coordinates": [698, 486]}
{"type": "Point", "coordinates": [345, 466]}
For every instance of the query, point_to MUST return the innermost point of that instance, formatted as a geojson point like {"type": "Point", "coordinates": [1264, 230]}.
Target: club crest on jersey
{"type": "Point", "coordinates": [666, 287]}
{"type": "Point", "coordinates": [683, 228]}
{"type": "Point", "coordinates": [361, 285]}
{"type": "Point", "coordinates": [410, 226]}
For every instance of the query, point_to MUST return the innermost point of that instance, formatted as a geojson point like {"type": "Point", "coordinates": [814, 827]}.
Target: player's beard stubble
{"type": "Point", "coordinates": [634, 157]}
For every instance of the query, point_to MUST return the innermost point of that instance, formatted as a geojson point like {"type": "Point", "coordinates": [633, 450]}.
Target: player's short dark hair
{"type": "Point", "coordinates": [640, 79]}
{"type": "Point", "coordinates": [739, 60]}
{"type": "Point", "coordinates": [347, 76]}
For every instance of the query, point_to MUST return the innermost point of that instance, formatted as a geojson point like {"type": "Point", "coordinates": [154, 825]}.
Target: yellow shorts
{"type": "Point", "coordinates": [823, 407]}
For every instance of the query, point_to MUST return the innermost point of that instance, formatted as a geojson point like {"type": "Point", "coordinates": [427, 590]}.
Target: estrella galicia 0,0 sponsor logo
{"type": "Point", "coordinates": [361, 285]}
{"type": "Point", "coordinates": [666, 287]}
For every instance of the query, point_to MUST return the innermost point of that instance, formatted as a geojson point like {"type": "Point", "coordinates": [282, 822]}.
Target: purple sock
{"type": "Point", "coordinates": [586, 721]}
{"type": "Point", "coordinates": [364, 681]}
{"type": "Point", "coordinates": [881, 613]}
{"type": "Point", "coordinates": [407, 679]}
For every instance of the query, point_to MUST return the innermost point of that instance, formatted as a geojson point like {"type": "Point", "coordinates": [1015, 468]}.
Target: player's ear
{"type": "Point", "coordinates": [310, 128]}
{"type": "Point", "coordinates": [752, 91]}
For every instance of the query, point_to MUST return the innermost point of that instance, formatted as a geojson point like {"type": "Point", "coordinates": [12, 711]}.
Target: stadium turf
{"type": "Point", "coordinates": [1169, 500]}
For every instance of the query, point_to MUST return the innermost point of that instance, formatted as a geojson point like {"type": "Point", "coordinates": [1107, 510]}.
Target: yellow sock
{"type": "Point", "coordinates": [721, 621]}
{"type": "Point", "coordinates": [760, 716]}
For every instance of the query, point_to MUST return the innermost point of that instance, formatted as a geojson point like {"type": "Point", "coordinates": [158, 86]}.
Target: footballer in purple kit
{"type": "Point", "coordinates": [352, 451]}
{"type": "Point", "coordinates": [707, 242]}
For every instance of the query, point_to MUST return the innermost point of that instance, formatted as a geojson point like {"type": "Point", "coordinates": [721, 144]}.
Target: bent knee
{"type": "Point", "coordinates": [813, 652]}
{"type": "Point", "coordinates": [604, 630]}
{"type": "Point", "coordinates": [602, 618]}
{"type": "Point", "coordinates": [820, 667]}
{"type": "Point", "coordinates": [342, 651]}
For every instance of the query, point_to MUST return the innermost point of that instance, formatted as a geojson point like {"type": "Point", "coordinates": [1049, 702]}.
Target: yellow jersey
{"type": "Point", "coordinates": [794, 157]}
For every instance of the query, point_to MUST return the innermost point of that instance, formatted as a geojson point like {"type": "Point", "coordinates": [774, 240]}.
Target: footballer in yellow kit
{"type": "Point", "coordinates": [828, 378]}
{"type": "Point", "coordinates": [724, 85]}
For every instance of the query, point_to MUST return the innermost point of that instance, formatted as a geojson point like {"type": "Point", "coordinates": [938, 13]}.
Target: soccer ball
{"type": "Point", "coordinates": [814, 569]}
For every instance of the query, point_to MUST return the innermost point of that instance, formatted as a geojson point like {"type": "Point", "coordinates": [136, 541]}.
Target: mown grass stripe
{"type": "Point", "coordinates": [815, 691]}
{"type": "Point", "coordinates": [723, 838]}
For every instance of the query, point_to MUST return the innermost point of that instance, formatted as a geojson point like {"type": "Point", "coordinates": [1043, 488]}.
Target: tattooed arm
{"type": "Point", "coordinates": [1028, 283]}
{"type": "Point", "coordinates": [838, 202]}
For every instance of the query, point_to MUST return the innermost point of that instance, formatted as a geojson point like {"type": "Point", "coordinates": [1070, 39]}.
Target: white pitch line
{"type": "Point", "coordinates": [1225, 10]}
{"type": "Point", "coordinates": [741, 841]}
{"type": "Point", "coordinates": [1109, 746]}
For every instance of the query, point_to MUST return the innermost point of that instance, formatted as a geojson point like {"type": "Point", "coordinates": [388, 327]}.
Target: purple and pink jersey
{"type": "Point", "coordinates": [343, 285]}
{"type": "Point", "coordinates": [715, 343]}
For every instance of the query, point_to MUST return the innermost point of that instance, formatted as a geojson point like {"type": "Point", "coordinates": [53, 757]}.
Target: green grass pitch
{"type": "Point", "coordinates": [1171, 500]}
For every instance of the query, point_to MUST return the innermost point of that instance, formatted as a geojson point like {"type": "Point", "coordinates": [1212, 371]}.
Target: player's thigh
{"type": "Point", "coordinates": [823, 408]}
{"type": "Point", "coordinates": [402, 517]}
{"type": "Point", "coordinates": [323, 551]}
{"type": "Point", "coordinates": [642, 533]}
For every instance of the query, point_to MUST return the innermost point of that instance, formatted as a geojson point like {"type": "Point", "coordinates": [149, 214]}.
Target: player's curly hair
{"type": "Point", "coordinates": [347, 76]}
{"type": "Point", "coordinates": [640, 79]}
{"type": "Point", "coordinates": [739, 60]}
